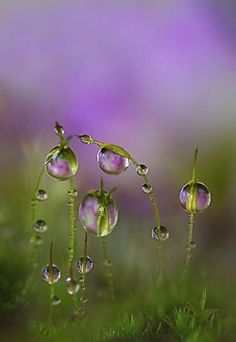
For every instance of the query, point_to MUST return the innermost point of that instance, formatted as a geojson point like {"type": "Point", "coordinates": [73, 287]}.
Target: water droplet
{"type": "Point", "coordinates": [111, 162]}
{"type": "Point", "coordinates": [142, 170]}
{"type": "Point", "coordinates": [84, 264]}
{"type": "Point", "coordinates": [86, 139]}
{"type": "Point", "coordinates": [59, 130]}
{"type": "Point", "coordinates": [195, 198]}
{"type": "Point", "coordinates": [193, 244]}
{"type": "Point", "coordinates": [160, 236]}
{"type": "Point", "coordinates": [83, 299]}
{"type": "Point", "coordinates": [72, 286]}
{"type": "Point", "coordinates": [40, 226]}
{"type": "Point", "coordinates": [41, 195]}
{"type": "Point", "coordinates": [146, 189]}
{"type": "Point", "coordinates": [61, 163]}
{"type": "Point", "coordinates": [51, 274]}
{"type": "Point", "coordinates": [107, 263]}
{"type": "Point", "coordinates": [36, 240]}
{"type": "Point", "coordinates": [55, 301]}
{"type": "Point", "coordinates": [72, 193]}
{"type": "Point", "coordinates": [98, 213]}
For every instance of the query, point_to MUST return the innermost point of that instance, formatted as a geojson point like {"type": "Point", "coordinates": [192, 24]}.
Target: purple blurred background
{"type": "Point", "coordinates": [158, 78]}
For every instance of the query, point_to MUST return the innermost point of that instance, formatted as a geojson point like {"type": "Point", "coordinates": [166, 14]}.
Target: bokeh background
{"type": "Point", "coordinates": [157, 77]}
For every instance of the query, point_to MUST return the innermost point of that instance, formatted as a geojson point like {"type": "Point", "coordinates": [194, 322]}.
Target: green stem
{"type": "Point", "coordinates": [33, 219]}
{"type": "Point", "coordinates": [72, 226]}
{"type": "Point", "coordinates": [83, 298]}
{"type": "Point", "coordinates": [189, 247]}
{"type": "Point", "coordinates": [108, 269]}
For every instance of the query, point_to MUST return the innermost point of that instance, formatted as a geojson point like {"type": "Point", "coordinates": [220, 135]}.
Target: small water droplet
{"type": "Point", "coordinates": [83, 299]}
{"type": "Point", "coordinates": [86, 139]}
{"type": "Point", "coordinates": [36, 240]}
{"type": "Point", "coordinates": [84, 264]}
{"type": "Point", "coordinates": [61, 163]}
{"type": "Point", "coordinates": [142, 170]}
{"type": "Point", "coordinates": [55, 301]}
{"type": "Point", "coordinates": [98, 213]}
{"type": "Point", "coordinates": [40, 226]}
{"type": "Point", "coordinates": [193, 244]}
{"type": "Point", "coordinates": [72, 286]}
{"type": "Point", "coordinates": [111, 162]}
{"type": "Point", "coordinates": [146, 189]}
{"type": "Point", "coordinates": [59, 130]}
{"type": "Point", "coordinates": [107, 263]}
{"type": "Point", "coordinates": [160, 236]}
{"type": "Point", "coordinates": [41, 195]}
{"type": "Point", "coordinates": [72, 193]}
{"type": "Point", "coordinates": [195, 198]}
{"type": "Point", "coordinates": [51, 274]}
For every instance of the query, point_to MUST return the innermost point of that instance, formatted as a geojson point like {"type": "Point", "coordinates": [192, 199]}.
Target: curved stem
{"type": "Point", "coordinates": [108, 268]}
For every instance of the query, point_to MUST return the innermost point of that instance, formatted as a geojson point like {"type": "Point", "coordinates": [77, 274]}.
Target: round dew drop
{"type": "Point", "coordinates": [51, 274]}
{"type": "Point", "coordinates": [142, 170]}
{"type": "Point", "coordinates": [84, 264]}
{"type": "Point", "coordinates": [98, 213]}
{"type": "Point", "coordinates": [41, 195]}
{"type": "Point", "coordinates": [55, 301]}
{"type": "Point", "coordinates": [111, 162]}
{"type": "Point", "coordinates": [72, 193]}
{"type": "Point", "coordinates": [61, 163]}
{"type": "Point", "coordinates": [146, 189]}
{"type": "Point", "coordinates": [195, 198]}
{"type": "Point", "coordinates": [162, 235]}
{"type": "Point", "coordinates": [72, 286]}
{"type": "Point", "coordinates": [40, 226]}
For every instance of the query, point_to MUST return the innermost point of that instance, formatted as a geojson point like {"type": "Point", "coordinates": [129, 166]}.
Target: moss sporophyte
{"type": "Point", "coordinates": [97, 213]}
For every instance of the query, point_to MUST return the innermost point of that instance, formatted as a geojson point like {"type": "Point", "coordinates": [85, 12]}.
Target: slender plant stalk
{"type": "Point", "coordinates": [33, 219]}
{"type": "Point", "coordinates": [72, 226]}
{"type": "Point", "coordinates": [191, 215]}
{"type": "Point", "coordinates": [83, 298]}
{"type": "Point", "coordinates": [108, 268]}
{"type": "Point", "coordinates": [52, 288]}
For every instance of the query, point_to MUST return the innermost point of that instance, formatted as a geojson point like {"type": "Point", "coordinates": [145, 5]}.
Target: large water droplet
{"type": "Point", "coordinates": [51, 274]}
{"type": "Point", "coordinates": [195, 197]}
{"type": "Point", "coordinates": [160, 236]}
{"type": "Point", "coordinates": [146, 189]}
{"type": "Point", "coordinates": [55, 301]}
{"type": "Point", "coordinates": [84, 264]}
{"type": "Point", "coordinates": [111, 162]}
{"type": "Point", "coordinates": [142, 170]}
{"type": "Point", "coordinates": [72, 286]}
{"type": "Point", "coordinates": [41, 195]}
{"type": "Point", "coordinates": [61, 163]}
{"type": "Point", "coordinates": [98, 213]}
{"type": "Point", "coordinates": [40, 226]}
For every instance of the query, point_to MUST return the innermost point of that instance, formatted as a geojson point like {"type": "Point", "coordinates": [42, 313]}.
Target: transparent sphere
{"type": "Point", "coordinates": [111, 162]}
{"type": "Point", "coordinates": [40, 226]}
{"type": "Point", "coordinates": [51, 274]}
{"type": "Point", "coordinates": [55, 301]}
{"type": "Point", "coordinates": [41, 195]}
{"type": "Point", "coordinates": [84, 264]}
{"type": "Point", "coordinates": [72, 193]}
{"type": "Point", "coordinates": [142, 169]}
{"type": "Point", "coordinates": [195, 198]}
{"type": "Point", "coordinates": [146, 189]}
{"type": "Point", "coordinates": [98, 213]}
{"type": "Point", "coordinates": [61, 163]}
{"type": "Point", "coordinates": [72, 286]}
{"type": "Point", "coordinates": [162, 236]}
